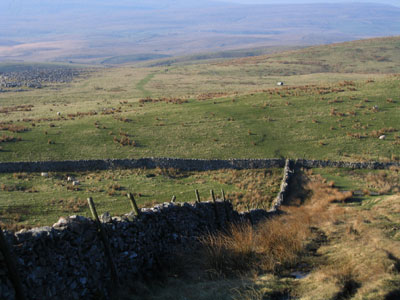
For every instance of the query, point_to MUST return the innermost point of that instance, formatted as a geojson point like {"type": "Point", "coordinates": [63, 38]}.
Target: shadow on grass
{"type": "Point", "coordinates": [297, 192]}
{"type": "Point", "coordinates": [393, 295]}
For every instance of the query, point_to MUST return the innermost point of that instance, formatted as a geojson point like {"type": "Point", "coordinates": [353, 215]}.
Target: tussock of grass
{"type": "Point", "coordinates": [384, 182]}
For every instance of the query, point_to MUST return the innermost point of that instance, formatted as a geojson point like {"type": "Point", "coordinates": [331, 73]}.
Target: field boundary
{"type": "Point", "coordinates": [280, 199]}
{"type": "Point", "coordinates": [76, 265]}
{"type": "Point", "coordinates": [182, 164]}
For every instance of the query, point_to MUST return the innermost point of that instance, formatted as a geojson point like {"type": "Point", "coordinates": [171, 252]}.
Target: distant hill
{"type": "Point", "coordinates": [95, 30]}
{"type": "Point", "coordinates": [378, 55]}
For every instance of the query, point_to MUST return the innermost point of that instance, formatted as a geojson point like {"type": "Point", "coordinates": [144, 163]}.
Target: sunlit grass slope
{"type": "Point", "coordinates": [217, 110]}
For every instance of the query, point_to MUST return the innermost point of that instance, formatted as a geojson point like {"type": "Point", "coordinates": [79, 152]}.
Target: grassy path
{"type": "Point", "coordinates": [141, 85]}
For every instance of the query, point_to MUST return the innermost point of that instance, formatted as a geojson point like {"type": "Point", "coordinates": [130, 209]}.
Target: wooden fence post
{"type": "Point", "coordinates": [197, 196]}
{"type": "Point", "coordinates": [215, 209]}
{"type": "Point", "coordinates": [223, 195]}
{"type": "Point", "coordinates": [226, 206]}
{"type": "Point", "coordinates": [12, 267]}
{"type": "Point", "coordinates": [106, 243]}
{"type": "Point", "coordinates": [133, 204]}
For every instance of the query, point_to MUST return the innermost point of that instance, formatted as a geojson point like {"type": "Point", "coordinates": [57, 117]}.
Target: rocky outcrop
{"type": "Point", "coordinates": [37, 77]}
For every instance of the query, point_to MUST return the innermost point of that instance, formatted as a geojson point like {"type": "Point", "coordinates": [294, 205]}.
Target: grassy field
{"type": "Point", "coordinates": [312, 122]}
{"type": "Point", "coordinates": [217, 110]}
{"type": "Point", "coordinates": [28, 199]}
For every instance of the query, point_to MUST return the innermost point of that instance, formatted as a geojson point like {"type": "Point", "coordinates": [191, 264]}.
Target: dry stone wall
{"type": "Point", "coordinates": [182, 164]}
{"type": "Point", "coordinates": [67, 260]}
{"type": "Point", "coordinates": [288, 172]}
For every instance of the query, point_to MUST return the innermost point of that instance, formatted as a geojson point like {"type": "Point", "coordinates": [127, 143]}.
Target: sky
{"type": "Point", "coordinates": [392, 2]}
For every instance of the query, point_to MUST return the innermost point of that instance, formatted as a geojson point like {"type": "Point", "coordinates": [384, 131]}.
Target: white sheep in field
{"type": "Point", "coordinates": [382, 137]}
{"type": "Point", "coordinates": [76, 182]}
{"type": "Point", "coordinates": [70, 178]}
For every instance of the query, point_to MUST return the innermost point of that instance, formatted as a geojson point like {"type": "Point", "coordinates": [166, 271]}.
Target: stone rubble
{"type": "Point", "coordinates": [37, 77]}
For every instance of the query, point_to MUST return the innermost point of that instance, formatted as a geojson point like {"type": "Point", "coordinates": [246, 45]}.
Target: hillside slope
{"type": "Point", "coordinates": [217, 110]}
{"type": "Point", "coordinates": [379, 55]}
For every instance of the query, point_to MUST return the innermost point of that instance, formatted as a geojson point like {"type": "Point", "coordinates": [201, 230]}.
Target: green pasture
{"type": "Point", "coordinates": [369, 187]}
{"type": "Point", "coordinates": [29, 199]}
{"type": "Point", "coordinates": [327, 121]}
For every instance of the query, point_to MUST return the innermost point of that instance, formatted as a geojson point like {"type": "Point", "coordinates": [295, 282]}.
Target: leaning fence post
{"type": "Point", "coordinates": [12, 267]}
{"type": "Point", "coordinates": [215, 209]}
{"type": "Point", "coordinates": [133, 204]}
{"type": "Point", "coordinates": [107, 249]}
{"type": "Point", "coordinates": [197, 195]}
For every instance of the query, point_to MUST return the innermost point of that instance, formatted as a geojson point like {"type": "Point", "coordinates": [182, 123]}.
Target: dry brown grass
{"type": "Point", "coordinates": [163, 99]}
{"type": "Point", "coordinates": [124, 140]}
{"type": "Point", "coordinates": [377, 133]}
{"type": "Point", "coordinates": [244, 249]}
{"type": "Point", "coordinates": [171, 173]}
{"type": "Point", "coordinates": [9, 109]}
{"type": "Point", "coordinates": [69, 205]}
{"type": "Point", "coordinates": [15, 227]}
{"type": "Point", "coordinates": [13, 128]}
{"type": "Point", "coordinates": [361, 259]}
{"type": "Point", "coordinates": [381, 181]}
{"type": "Point", "coordinates": [7, 139]}
{"type": "Point", "coordinates": [256, 186]}
{"type": "Point", "coordinates": [279, 242]}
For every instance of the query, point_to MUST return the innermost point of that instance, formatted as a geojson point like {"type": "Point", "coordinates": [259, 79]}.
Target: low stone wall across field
{"type": "Point", "coordinates": [149, 163]}
{"type": "Point", "coordinates": [68, 261]}
{"type": "Point", "coordinates": [182, 164]}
